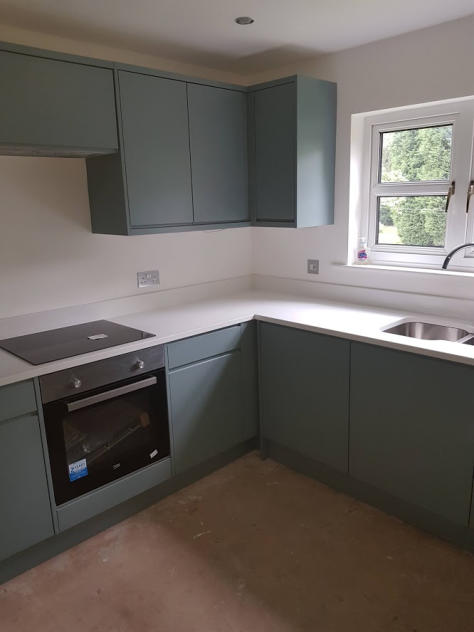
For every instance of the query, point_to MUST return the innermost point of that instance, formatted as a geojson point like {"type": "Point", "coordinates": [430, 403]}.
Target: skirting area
{"type": "Point", "coordinates": [252, 547]}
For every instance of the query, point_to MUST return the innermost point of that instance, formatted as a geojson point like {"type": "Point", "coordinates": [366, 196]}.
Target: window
{"type": "Point", "coordinates": [418, 172]}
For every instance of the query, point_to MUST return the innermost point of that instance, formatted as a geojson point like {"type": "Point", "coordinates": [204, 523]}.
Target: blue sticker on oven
{"type": "Point", "coordinates": [78, 469]}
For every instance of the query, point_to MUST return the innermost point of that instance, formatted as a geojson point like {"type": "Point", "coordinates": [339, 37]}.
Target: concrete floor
{"type": "Point", "coordinates": [254, 547]}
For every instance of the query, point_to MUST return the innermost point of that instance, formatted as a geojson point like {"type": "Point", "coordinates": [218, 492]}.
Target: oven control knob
{"type": "Point", "coordinates": [76, 382]}
{"type": "Point", "coordinates": [139, 364]}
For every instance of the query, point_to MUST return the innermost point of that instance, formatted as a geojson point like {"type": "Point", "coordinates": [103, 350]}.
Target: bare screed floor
{"type": "Point", "coordinates": [253, 547]}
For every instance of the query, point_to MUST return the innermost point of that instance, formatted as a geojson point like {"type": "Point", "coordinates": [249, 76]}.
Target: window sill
{"type": "Point", "coordinates": [431, 271]}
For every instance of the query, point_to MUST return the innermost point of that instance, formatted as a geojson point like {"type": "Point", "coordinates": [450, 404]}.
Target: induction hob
{"type": "Point", "coordinates": [57, 344]}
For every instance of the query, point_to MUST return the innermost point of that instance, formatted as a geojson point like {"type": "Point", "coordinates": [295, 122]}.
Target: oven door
{"type": "Point", "coordinates": [101, 435]}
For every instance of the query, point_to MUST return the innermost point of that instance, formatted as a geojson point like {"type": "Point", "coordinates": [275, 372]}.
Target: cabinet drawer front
{"type": "Point", "coordinates": [204, 346]}
{"type": "Point", "coordinates": [17, 399]}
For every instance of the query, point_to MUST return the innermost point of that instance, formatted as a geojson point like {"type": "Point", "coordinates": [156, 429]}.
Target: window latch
{"type": "Point", "coordinates": [470, 192]}
{"type": "Point", "coordinates": [451, 192]}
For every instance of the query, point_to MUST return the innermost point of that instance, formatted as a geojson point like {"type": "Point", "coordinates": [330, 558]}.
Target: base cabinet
{"type": "Point", "coordinates": [304, 390]}
{"type": "Point", "coordinates": [210, 397]}
{"type": "Point", "coordinates": [412, 430]}
{"type": "Point", "coordinates": [24, 500]}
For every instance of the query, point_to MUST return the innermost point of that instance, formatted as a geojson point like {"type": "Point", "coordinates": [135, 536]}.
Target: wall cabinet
{"type": "Point", "coordinates": [183, 159]}
{"type": "Point", "coordinates": [304, 390]}
{"type": "Point", "coordinates": [55, 107]}
{"type": "Point", "coordinates": [166, 153]}
{"type": "Point", "coordinates": [212, 401]}
{"type": "Point", "coordinates": [412, 433]}
{"type": "Point", "coordinates": [292, 154]}
{"type": "Point", "coordinates": [24, 500]}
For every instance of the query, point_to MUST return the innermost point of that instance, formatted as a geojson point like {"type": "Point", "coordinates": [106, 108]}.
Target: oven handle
{"type": "Point", "coordinates": [115, 392]}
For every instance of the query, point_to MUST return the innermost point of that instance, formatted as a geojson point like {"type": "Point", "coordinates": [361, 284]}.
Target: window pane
{"type": "Point", "coordinates": [416, 155]}
{"type": "Point", "coordinates": [418, 220]}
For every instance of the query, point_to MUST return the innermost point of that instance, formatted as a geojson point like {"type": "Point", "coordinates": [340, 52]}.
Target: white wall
{"type": "Point", "coordinates": [422, 66]}
{"type": "Point", "coordinates": [48, 256]}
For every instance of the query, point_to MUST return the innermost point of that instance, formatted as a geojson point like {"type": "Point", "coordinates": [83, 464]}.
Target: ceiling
{"type": "Point", "coordinates": [203, 32]}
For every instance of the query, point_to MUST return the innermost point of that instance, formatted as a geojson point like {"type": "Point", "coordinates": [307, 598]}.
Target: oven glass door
{"type": "Point", "coordinates": [101, 435]}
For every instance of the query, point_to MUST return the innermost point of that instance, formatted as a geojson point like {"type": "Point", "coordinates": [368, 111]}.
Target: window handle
{"type": "Point", "coordinates": [470, 192]}
{"type": "Point", "coordinates": [451, 192]}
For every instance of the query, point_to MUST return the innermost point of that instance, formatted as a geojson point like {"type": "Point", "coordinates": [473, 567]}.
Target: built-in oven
{"type": "Point", "coordinates": [104, 420]}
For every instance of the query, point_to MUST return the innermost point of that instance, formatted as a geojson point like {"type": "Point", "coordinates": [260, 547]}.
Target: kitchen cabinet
{"type": "Point", "coordinates": [54, 107]}
{"type": "Point", "coordinates": [24, 499]}
{"type": "Point", "coordinates": [304, 391]}
{"type": "Point", "coordinates": [412, 433]}
{"type": "Point", "coordinates": [213, 398]}
{"type": "Point", "coordinates": [218, 137]}
{"type": "Point", "coordinates": [183, 161]}
{"type": "Point", "coordinates": [292, 152]}
{"type": "Point", "coordinates": [148, 185]}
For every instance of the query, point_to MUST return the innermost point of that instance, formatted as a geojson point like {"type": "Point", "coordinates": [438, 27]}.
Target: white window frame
{"type": "Point", "coordinates": [460, 225]}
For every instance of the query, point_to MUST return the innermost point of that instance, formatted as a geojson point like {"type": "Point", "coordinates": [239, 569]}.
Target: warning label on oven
{"type": "Point", "coordinates": [78, 469]}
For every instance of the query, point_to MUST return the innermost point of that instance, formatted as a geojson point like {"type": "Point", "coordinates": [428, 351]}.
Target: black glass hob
{"type": "Point", "coordinates": [56, 344]}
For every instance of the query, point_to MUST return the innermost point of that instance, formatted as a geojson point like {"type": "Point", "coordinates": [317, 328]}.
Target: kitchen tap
{"type": "Point", "coordinates": [448, 257]}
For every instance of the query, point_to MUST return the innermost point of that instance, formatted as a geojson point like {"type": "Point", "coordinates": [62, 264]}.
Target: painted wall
{"type": "Point", "coordinates": [422, 66]}
{"type": "Point", "coordinates": [48, 256]}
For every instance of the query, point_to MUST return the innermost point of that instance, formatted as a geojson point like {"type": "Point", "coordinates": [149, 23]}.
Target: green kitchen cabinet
{"type": "Point", "coordinates": [54, 107]}
{"type": "Point", "coordinates": [412, 433]}
{"type": "Point", "coordinates": [212, 394]}
{"type": "Point", "coordinates": [147, 185]}
{"type": "Point", "coordinates": [183, 159]}
{"type": "Point", "coordinates": [292, 152]}
{"type": "Point", "coordinates": [24, 499]}
{"type": "Point", "coordinates": [218, 138]}
{"type": "Point", "coordinates": [304, 393]}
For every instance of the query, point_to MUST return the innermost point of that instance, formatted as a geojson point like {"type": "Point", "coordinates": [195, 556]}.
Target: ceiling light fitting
{"type": "Point", "coordinates": [244, 20]}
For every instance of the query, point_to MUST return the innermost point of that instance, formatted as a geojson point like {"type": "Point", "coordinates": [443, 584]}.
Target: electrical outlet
{"type": "Point", "coordinates": [149, 278]}
{"type": "Point", "coordinates": [313, 266]}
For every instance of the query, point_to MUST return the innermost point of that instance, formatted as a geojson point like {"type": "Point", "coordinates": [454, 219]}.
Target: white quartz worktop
{"type": "Point", "coordinates": [354, 322]}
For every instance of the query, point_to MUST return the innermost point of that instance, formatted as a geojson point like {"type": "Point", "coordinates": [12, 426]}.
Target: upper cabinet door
{"type": "Point", "coordinates": [293, 134]}
{"type": "Point", "coordinates": [218, 132]}
{"type": "Point", "coordinates": [156, 150]}
{"type": "Point", "coordinates": [275, 153]}
{"type": "Point", "coordinates": [55, 107]}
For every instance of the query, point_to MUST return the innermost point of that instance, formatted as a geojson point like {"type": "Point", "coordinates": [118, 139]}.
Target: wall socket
{"type": "Point", "coordinates": [149, 278]}
{"type": "Point", "coordinates": [313, 266]}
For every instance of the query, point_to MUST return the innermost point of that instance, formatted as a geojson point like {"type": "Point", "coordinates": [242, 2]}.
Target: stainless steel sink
{"type": "Point", "coordinates": [428, 331]}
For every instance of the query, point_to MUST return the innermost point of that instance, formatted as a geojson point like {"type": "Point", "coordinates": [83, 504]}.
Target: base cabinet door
{"type": "Point", "coordinates": [304, 388]}
{"type": "Point", "coordinates": [412, 428]}
{"type": "Point", "coordinates": [25, 512]}
{"type": "Point", "coordinates": [206, 409]}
